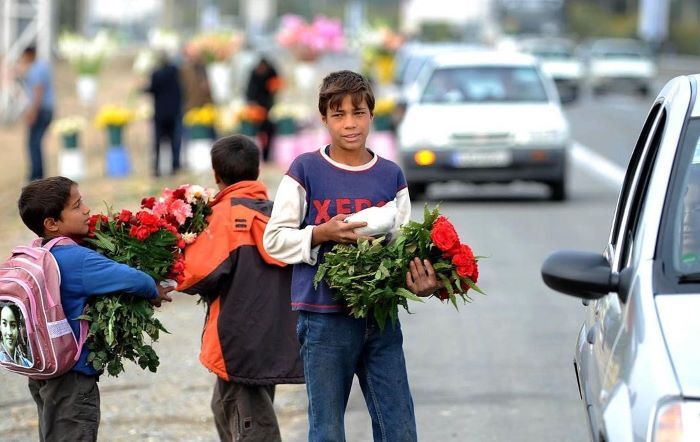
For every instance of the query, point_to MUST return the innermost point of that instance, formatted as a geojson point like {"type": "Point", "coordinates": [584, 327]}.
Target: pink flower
{"type": "Point", "coordinates": [180, 210]}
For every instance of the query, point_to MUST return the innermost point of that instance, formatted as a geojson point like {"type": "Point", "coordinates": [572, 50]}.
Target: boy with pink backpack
{"type": "Point", "coordinates": [61, 381]}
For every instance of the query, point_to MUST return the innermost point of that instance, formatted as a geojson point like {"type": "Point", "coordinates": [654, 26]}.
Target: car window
{"type": "Point", "coordinates": [484, 84]}
{"type": "Point", "coordinates": [686, 247]}
{"type": "Point", "coordinates": [637, 198]}
{"type": "Point", "coordinates": [632, 167]}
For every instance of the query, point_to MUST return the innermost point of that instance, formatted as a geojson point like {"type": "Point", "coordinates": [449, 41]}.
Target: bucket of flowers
{"type": "Point", "coordinates": [199, 122]}
{"type": "Point", "coordinates": [215, 50]}
{"type": "Point", "coordinates": [71, 162]}
{"type": "Point", "coordinates": [114, 119]}
{"type": "Point", "coordinates": [152, 241]}
{"type": "Point", "coordinates": [370, 277]}
{"type": "Point", "coordinates": [250, 118]}
{"type": "Point", "coordinates": [87, 57]}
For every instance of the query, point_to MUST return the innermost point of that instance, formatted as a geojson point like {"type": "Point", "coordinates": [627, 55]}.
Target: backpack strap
{"type": "Point", "coordinates": [59, 240]}
{"type": "Point", "coordinates": [82, 338]}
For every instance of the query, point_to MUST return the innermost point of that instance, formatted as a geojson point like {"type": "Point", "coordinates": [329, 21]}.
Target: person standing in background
{"type": "Point", "coordinates": [263, 84]}
{"type": "Point", "coordinates": [38, 83]}
{"type": "Point", "coordinates": [167, 110]}
{"type": "Point", "coordinates": [195, 85]}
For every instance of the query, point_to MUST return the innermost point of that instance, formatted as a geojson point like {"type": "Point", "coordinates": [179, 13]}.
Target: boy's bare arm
{"type": "Point", "coordinates": [337, 230]}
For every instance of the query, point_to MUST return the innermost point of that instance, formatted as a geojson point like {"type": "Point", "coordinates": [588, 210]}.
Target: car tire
{"type": "Point", "coordinates": [417, 190]}
{"type": "Point", "coordinates": [557, 190]}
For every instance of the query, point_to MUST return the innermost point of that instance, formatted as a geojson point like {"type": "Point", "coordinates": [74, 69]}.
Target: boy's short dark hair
{"type": "Point", "coordinates": [235, 158]}
{"type": "Point", "coordinates": [42, 199]}
{"type": "Point", "coordinates": [30, 51]}
{"type": "Point", "coordinates": [338, 84]}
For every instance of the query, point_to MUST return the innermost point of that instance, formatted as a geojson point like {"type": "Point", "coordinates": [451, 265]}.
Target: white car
{"type": "Point", "coordinates": [484, 117]}
{"type": "Point", "coordinates": [558, 60]}
{"type": "Point", "coordinates": [619, 63]}
{"type": "Point", "coordinates": [637, 358]}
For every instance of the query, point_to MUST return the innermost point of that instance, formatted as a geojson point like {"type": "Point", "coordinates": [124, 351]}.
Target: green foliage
{"type": "Point", "coordinates": [371, 277]}
{"type": "Point", "coordinates": [117, 328]}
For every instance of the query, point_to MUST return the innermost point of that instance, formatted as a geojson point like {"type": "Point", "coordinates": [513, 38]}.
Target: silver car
{"type": "Point", "coordinates": [637, 358]}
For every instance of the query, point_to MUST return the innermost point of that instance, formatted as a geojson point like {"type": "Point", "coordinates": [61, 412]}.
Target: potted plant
{"type": "Point", "coordinates": [114, 119]}
{"type": "Point", "coordinates": [71, 160]}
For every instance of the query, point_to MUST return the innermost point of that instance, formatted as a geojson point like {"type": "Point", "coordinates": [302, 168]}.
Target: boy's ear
{"type": "Point", "coordinates": [217, 179]}
{"type": "Point", "coordinates": [50, 225]}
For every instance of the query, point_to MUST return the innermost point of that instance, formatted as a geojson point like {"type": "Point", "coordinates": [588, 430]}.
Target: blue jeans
{"type": "Point", "coordinates": [335, 347]}
{"type": "Point", "coordinates": [36, 134]}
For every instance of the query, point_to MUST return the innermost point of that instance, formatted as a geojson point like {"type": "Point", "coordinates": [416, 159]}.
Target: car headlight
{"type": "Point", "coordinates": [540, 137]}
{"type": "Point", "coordinates": [677, 421]}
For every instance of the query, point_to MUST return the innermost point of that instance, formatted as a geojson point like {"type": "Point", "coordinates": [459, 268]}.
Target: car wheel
{"type": "Point", "coordinates": [417, 190]}
{"type": "Point", "coordinates": [558, 190]}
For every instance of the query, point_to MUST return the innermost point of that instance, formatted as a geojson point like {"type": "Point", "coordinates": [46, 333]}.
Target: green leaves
{"type": "Point", "coordinates": [119, 325]}
{"type": "Point", "coordinates": [371, 276]}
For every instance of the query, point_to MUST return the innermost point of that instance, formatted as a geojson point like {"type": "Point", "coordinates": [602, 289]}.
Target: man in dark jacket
{"type": "Point", "coordinates": [263, 84]}
{"type": "Point", "coordinates": [167, 111]}
{"type": "Point", "coordinates": [249, 340]}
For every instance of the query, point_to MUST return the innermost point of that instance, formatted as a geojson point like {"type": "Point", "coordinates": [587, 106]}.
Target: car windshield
{"type": "Point", "coordinates": [485, 84]}
{"type": "Point", "coordinates": [621, 50]}
{"type": "Point", "coordinates": [687, 213]}
{"type": "Point", "coordinates": [553, 53]}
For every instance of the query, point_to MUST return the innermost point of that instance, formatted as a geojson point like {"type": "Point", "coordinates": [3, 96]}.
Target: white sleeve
{"type": "Point", "coordinates": [403, 206]}
{"type": "Point", "coordinates": [283, 238]}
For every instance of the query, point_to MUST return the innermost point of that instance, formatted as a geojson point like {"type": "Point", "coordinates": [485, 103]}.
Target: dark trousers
{"type": "Point", "coordinates": [34, 138]}
{"type": "Point", "coordinates": [245, 412]}
{"type": "Point", "coordinates": [266, 132]}
{"type": "Point", "coordinates": [170, 129]}
{"type": "Point", "coordinates": [68, 407]}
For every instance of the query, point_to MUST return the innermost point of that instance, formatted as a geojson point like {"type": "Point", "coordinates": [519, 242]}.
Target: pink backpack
{"type": "Point", "coordinates": [37, 340]}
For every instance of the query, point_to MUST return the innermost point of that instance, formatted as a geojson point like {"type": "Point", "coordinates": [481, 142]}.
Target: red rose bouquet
{"type": "Point", "coordinates": [371, 277]}
{"type": "Point", "coordinates": [151, 240]}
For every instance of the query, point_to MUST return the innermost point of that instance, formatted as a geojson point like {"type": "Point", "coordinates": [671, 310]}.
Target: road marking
{"type": "Point", "coordinates": [597, 165]}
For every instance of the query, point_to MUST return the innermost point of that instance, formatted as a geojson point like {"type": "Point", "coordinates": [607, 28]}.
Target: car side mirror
{"type": "Point", "coordinates": [585, 275]}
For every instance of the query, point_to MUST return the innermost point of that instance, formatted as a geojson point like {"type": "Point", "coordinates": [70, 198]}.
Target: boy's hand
{"type": "Point", "coordinates": [162, 295]}
{"type": "Point", "coordinates": [420, 279]}
{"type": "Point", "coordinates": [337, 230]}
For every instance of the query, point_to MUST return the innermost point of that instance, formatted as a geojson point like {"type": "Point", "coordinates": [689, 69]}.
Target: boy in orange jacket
{"type": "Point", "coordinates": [249, 338]}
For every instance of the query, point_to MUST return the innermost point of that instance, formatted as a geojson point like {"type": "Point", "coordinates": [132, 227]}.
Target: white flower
{"type": "Point", "coordinates": [189, 237]}
{"type": "Point", "coordinates": [194, 193]}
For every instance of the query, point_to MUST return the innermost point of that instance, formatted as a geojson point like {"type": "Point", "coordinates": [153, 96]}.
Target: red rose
{"type": "Point", "coordinates": [124, 216]}
{"type": "Point", "coordinates": [148, 203]}
{"type": "Point", "coordinates": [465, 264]}
{"type": "Point", "coordinates": [181, 244]}
{"type": "Point", "coordinates": [444, 235]}
{"type": "Point", "coordinates": [443, 295]}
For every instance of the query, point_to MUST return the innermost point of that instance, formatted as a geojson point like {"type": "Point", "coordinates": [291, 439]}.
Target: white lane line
{"type": "Point", "coordinates": [597, 165]}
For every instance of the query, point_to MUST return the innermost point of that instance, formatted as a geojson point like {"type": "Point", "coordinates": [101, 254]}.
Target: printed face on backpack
{"type": "Point", "coordinates": [14, 336]}
{"type": "Point", "coordinates": [74, 216]}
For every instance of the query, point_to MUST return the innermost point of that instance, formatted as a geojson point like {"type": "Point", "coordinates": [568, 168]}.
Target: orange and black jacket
{"type": "Point", "coordinates": [249, 332]}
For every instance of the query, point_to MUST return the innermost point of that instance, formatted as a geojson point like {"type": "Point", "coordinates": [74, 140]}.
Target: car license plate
{"type": "Point", "coordinates": [482, 158]}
